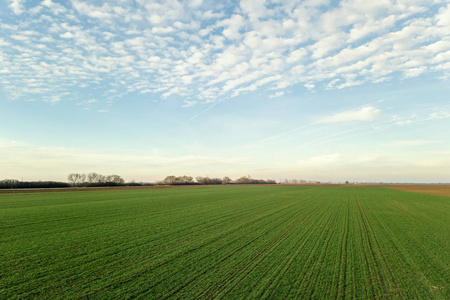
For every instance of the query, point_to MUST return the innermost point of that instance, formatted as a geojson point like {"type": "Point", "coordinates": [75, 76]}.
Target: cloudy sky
{"type": "Point", "coordinates": [311, 89]}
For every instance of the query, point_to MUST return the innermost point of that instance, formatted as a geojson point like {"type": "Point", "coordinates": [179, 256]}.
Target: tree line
{"type": "Point", "coordinates": [189, 180]}
{"type": "Point", "coordinates": [299, 181]}
{"type": "Point", "coordinates": [98, 180]}
{"type": "Point", "coordinates": [74, 180]}
{"type": "Point", "coordinates": [94, 179]}
{"type": "Point", "coordinates": [16, 184]}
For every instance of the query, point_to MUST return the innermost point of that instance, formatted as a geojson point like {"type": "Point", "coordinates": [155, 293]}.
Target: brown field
{"type": "Point", "coordinates": [434, 189]}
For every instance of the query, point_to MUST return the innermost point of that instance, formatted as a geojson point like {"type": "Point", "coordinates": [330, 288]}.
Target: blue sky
{"type": "Point", "coordinates": [318, 90]}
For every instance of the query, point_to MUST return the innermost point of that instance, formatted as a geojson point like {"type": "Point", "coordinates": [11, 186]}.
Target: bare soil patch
{"type": "Point", "coordinates": [433, 189]}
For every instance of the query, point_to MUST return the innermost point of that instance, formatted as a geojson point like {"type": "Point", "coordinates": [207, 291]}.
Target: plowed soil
{"type": "Point", "coordinates": [433, 189]}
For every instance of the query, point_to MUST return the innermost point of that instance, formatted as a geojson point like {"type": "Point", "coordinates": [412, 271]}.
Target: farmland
{"type": "Point", "coordinates": [433, 189]}
{"type": "Point", "coordinates": [226, 242]}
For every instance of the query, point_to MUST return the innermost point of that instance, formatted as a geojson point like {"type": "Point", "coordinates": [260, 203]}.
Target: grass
{"type": "Point", "coordinates": [226, 242]}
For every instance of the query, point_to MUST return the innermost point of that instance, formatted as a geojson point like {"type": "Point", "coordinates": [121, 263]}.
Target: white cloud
{"type": "Point", "coordinates": [53, 99]}
{"type": "Point", "coordinates": [55, 8]}
{"type": "Point", "coordinates": [99, 12]}
{"type": "Point", "coordinates": [16, 6]}
{"type": "Point", "coordinates": [255, 9]}
{"type": "Point", "coordinates": [296, 55]}
{"type": "Point", "coordinates": [327, 44]}
{"type": "Point", "coordinates": [20, 37]}
{"type": "Point", "coordinates": [208, 51]}
{"type": "Point", "coordinates": [443, 17]}
{"type": "Point", "coordinates": [439, 115]}
{"type": "Point", "coordinates": [195, 3]}
{"type": "Point", "coordinates": [276, 95]}
{"type": "Point", "coordinates": [366, 113]}
{"type": "Point", "coordinates": [163, 30]}
{"type": "Point", "coordinates": [414, 72]}
{"type": "Point", "coordinates": [232, 26]}
{"type": "Point", "coordinates": [67, 35]}
{"type": "Point", "coordinates": [309, 86]}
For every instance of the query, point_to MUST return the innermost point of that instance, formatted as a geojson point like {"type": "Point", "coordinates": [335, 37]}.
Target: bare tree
{"type": "Point", "coordinates": [177, 180]}
{"type": "Point", "coordinates": [76, 179]}
{"type": "Point", "coordinates": [227, 180]}
{"type": "Point", "coordinates": [115, 179]}
{"type": "Point", "coordinates": [169, 180]}
{"type": "Point", "coordinates": [186, 179]}
{"type": "Point", "coordinates": [244, 180]}
{"type": "Point", "coordinates": [95, 178]}
{"type": "Point", "coordinates": [207, 180]}
{"type": "Point", "coordinates": [72, 178]}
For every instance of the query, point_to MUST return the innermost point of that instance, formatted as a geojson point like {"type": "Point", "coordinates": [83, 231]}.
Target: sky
{"type": "Point", "coordinates": [315, 89]}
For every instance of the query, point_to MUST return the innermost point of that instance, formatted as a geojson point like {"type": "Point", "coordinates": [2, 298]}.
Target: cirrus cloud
{"type": "Point", "coordinates": [366, 113]}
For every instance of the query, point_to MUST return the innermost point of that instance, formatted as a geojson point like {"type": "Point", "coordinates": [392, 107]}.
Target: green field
{"type": "Point", "coordinates": [233, 242]}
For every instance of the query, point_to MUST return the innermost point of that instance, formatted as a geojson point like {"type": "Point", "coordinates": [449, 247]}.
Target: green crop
{"type": "Point", "coordinates": [274, 242]}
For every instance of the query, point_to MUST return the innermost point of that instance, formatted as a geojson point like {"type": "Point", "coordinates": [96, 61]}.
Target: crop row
{"type": "Point", "coordinates": [226, 242]}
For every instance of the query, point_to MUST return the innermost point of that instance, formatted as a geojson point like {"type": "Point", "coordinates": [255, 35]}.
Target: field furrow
{"type": "Point", "coordinates": [258, 242]}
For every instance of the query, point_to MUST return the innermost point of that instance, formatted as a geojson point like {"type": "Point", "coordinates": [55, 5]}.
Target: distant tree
{"type": "Point", "coordinates": [177, 180]}
{"type": "Point", "coordinates": [207, 180]}
{"type": "Point", "coordinates": [9, 183]}
{"type": "Point", "coordinates": [16, 184]}
{"type": "Point", "coordinates": [76, 179]}
{"type": "Point", "coordinates": [249, 180]}
{"type": "Point", "coordinates": [72, 178]}
{"type": "Point", "coordinates": [227, 180]}
{"type": "Point", "coordinates": [116, 179]}
{"type": "Point", "coordinates": [93, 178]}
{"type": "Point", "coordinates": [200, 180]}
{"type": "Point", "coordinates": [185, 180]}
{"type": "Point", "coordinates": [82, 178]}
{"type": "Point", "coordinates": [169, 180]}
{"type": "Point", "coordinates": [243, 180]}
